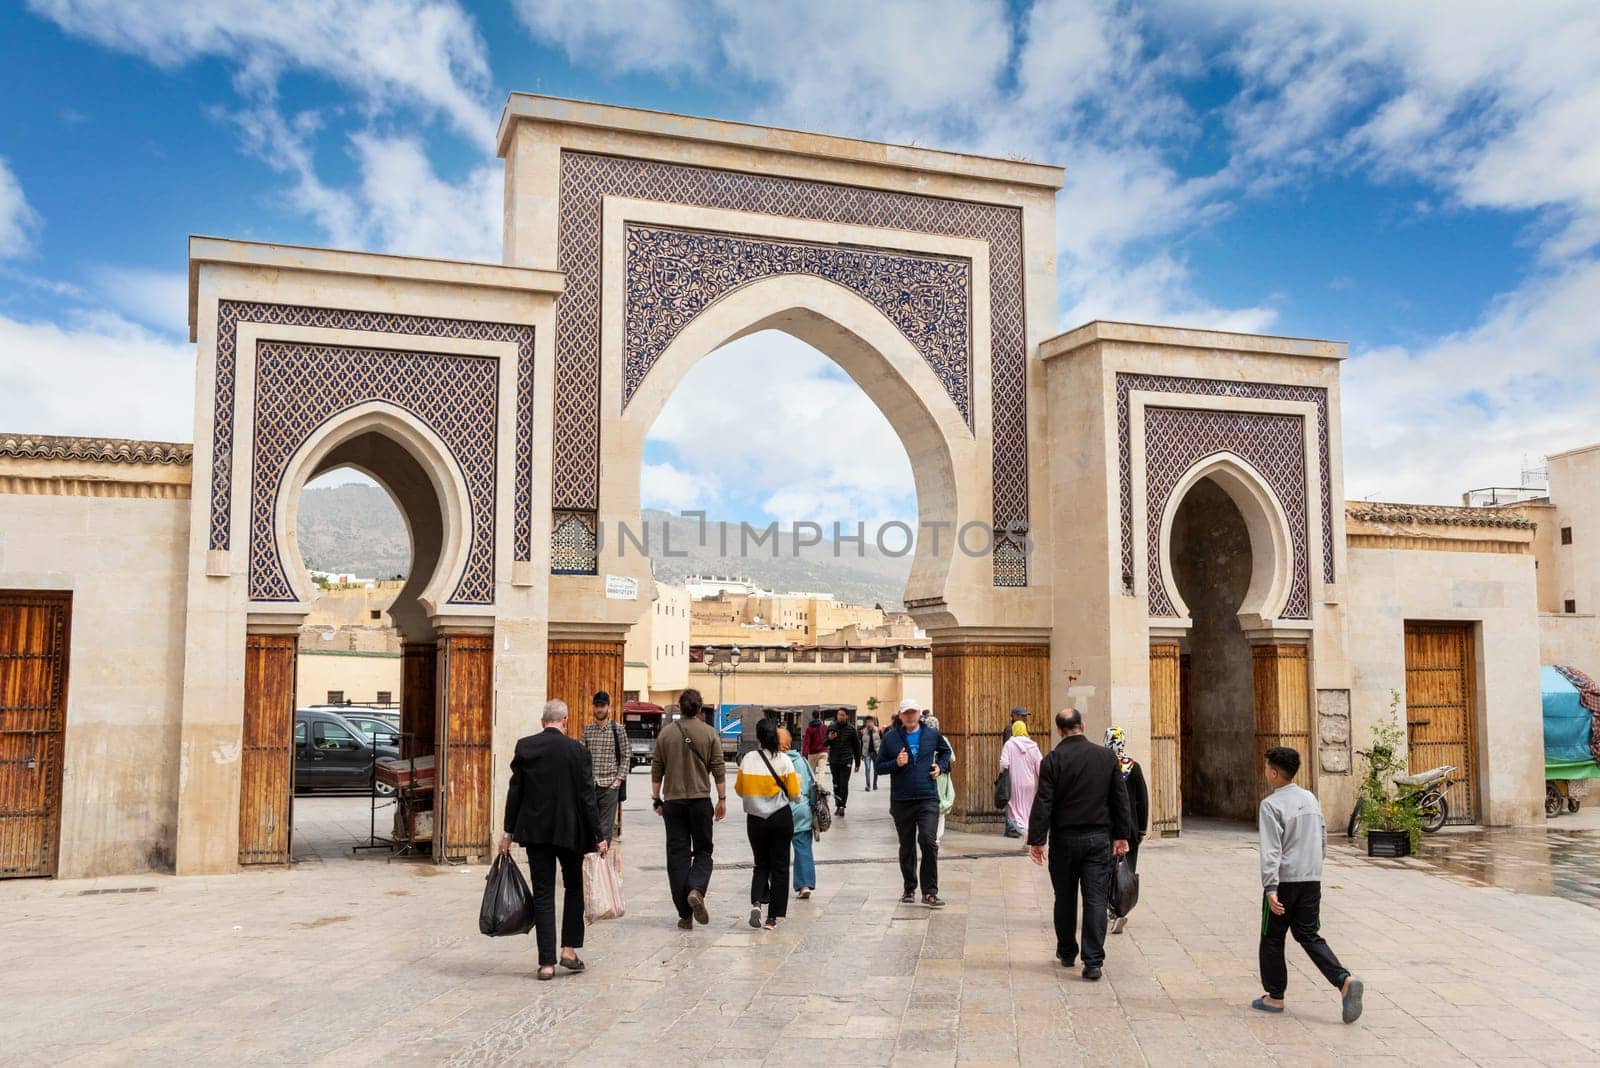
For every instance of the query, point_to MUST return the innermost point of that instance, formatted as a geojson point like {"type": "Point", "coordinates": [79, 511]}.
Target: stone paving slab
{"type": "Point", "coordinates": [349, 960]}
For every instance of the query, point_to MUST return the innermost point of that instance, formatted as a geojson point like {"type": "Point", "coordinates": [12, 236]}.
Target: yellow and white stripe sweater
{"type": "Point", "coordinates": [760, 791]}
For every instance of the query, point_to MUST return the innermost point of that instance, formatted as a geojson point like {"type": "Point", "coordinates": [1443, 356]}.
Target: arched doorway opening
{"type": "Point", "coordinates": [352, 676]}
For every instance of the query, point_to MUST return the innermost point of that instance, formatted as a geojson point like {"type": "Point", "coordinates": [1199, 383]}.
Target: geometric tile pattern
{"type": "Point", "coordinates": [574, 543]}
{"type": "Point", "coordinates": [1175, 439]}
{"type": "Point", "coordinates": [1215, 387]}
{"type": "Point", "coordinates": [230, 313]}
{"type": "Point", "coordinates": [300, 386]}
{"type": "Point", "coordinates": [587, 178]}
{"type": "Point", "coordinates": [673, 275]}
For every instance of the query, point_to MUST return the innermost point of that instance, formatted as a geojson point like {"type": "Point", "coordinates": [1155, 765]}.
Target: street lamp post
{"type": "Point", "coordinates": [721, 668]}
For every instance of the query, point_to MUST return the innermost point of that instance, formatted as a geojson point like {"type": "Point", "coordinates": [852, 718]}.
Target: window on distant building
{"type": "Point", "coordinates": [1571, 607]}
{"type": "Point", "coordinates": [1566, 535]}
{"type": "Point", "coordinates": [336, 697]}
{"type": "Point", "coordinates": [375, 614]}
{"type": "Point", "coordinates": [385, 697]}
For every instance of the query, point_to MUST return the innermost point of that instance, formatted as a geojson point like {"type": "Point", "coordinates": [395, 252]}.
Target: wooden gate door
{"type": "Point", "coordinates": [266, 773]}
{"type": "Point", "coordinates": [35, 629]}
{"type": "Point", "coordinates": [1441, 709]}
{"type": "Point", "coordinates": [465, 739]}
{"type": "Point", "coordinates": [1166, 794]}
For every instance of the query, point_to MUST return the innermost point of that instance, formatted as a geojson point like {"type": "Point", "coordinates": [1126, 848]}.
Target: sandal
{"type": "Point", "coordinates": [547, 973]}
{"type": "Point", "coordinates": [573, 964]}
{"type": "Point", "coordinates": [755, 917]}
{"type": "Point", "coordinates": [1261, 1004]}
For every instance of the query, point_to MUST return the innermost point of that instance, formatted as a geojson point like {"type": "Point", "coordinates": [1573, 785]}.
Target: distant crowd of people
{"type": "Point", "coordinates": [1082, 810]}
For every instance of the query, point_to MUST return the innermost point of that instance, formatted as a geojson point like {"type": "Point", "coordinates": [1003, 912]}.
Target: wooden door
{"type": "Point", "coordinates": [1441, 709]}
{"type": "Point", "coordinates": [465, 740]}
{"type": "Point", "coordinates": [578, 670]}
{"type": "Point", "coordinates": [35, 631]}
{"type": "Point", "coordinates": [266, 766]}
{"type": "Point", "coordinates": [1166, 792]}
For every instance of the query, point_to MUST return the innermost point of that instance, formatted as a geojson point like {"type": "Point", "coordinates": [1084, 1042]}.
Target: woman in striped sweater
{"type": "Point", "coordinates": [767, 782]}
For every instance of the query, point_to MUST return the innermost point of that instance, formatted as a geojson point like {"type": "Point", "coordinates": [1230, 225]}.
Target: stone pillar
{"type": "Point", "coordinates": [418, 697]}
{"type": "Point", "coordinates": [1282, 679]}
{"type": "Point", "coordinates": [579, 667]}
{"type": "Point", "coordinates": [463, 738]}
{"type": "Point", "coordinates": [975, 686]}
{"type": "Point", "coordinates": [1166, 762]}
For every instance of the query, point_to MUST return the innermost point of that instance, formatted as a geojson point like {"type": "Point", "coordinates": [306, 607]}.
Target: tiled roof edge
{"type": "Point", "coordinates": [102, 450]}
{"type": "Point", "coordinates": [1436, 515]}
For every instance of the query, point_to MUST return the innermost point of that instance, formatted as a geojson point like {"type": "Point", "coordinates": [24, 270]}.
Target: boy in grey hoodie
{"type": "Point", "coordinates": [1293, 837]}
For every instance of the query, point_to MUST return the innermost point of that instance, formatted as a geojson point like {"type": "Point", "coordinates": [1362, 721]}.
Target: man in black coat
{"type": "Point", "coordinates": [550, 809]}
{"type": "Point", "coordinates": [844, 751]}
{"type": "Point", "coordinates": [1082, 805]}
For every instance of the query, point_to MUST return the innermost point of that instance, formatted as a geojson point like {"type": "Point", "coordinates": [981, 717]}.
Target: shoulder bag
{"type": "Point", "coordinates": [622, 768]}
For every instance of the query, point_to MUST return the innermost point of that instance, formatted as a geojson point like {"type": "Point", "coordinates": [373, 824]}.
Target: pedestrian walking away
{"type": "Point", "coordinates": [914, 755]}
{"type": "Point", "coordinates": [843, 742]}
{"type": "Point", "coordinates": [1293, 840]}
{"type": "Point", "coordinates": [686, 767]}
{"type": "Point", "coordinates": [813, 744]}
{"type": "Point", "coordinates": [871, 741]}
{"type": "Point", "coordinates": [607, 743]}
{"type": "Point", "coordinates": [1020, 759]}
{"type": "Point", "coordinates": [804, 866]}
{"type": "Point", "coordinates": [768, 784]}
{"type": "Point", "coordinates": [1081, 810]}
{"type": "Point", "coordinates": [550, 810]}
{"type": "Point", "coordinates": [1138, 801]}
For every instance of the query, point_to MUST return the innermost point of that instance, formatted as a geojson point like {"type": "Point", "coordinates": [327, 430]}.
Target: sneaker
{"type": "Point", "coordinates": [909, 897]}
{"type": "Point", "coordinates": [1066, 962]}
{"type": "Point", "coordinates": [1352, 1001]}
{"type": "Point", "coordinates": [839, 811]}
{"type": "Point", "coordinates": [1091, 972]}
{"type": "Point", "coordinates": [803, 894]}
{"type": "Point", "coordinates": [933, 901]}
{"type": "Point", "coordinates": [697, 905]}
{"type": "Point", "coordinates": [755, 916]}
{"type": "Point", "coordinates": [686, 924]}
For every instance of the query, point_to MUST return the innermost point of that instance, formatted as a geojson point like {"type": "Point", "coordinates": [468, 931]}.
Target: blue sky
{"type": "Point", "coordinates": [1421, 179]}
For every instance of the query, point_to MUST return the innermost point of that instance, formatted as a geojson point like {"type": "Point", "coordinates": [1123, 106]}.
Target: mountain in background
{"type": "Point", "coordinates": [356, 528]}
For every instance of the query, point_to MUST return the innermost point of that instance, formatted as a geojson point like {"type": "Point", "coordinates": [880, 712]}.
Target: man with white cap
{"type": "Point", "coordinates": [914, 754]}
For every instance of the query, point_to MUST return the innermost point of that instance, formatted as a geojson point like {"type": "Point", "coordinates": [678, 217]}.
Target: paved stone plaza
{"type": "Point", "coordinates": [358, 961]}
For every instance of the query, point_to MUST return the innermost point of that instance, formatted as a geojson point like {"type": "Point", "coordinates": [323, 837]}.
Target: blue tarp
{"type": "Point", "coordinates": [1566, 721]}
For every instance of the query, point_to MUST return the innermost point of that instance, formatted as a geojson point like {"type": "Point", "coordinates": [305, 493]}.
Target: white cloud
{"type": "Point", "coordinates": [101, 375]}
{"type": "Point", "coordinates": [623, 35]}
{"type": "Point", "coordinates": [772, 416]}
{"type": "Point", "coordinates": [152, 297]}
{"type": "Point", "coordinates": [1427, 424]}
{"type": "Point", "coordinates": [416, 53]}
{"type": "Point", "coordinates": [18, 221]}
{"type": "Point", "coordinates": [669, 487]}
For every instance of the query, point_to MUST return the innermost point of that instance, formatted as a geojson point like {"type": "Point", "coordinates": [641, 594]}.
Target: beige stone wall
{"type": "Point", "coordinates": [656, 652]}
{"type": "Point", "coordinates": [1573, 641]}
{"type": "Point", "coordinates": [361, 676]}
{"type": "Point", "coordinates": [124, 561]}
{"type": "Point", "coordinates": [1495, 592]}
{"type": "Point", "coordinates": [1575, 492]}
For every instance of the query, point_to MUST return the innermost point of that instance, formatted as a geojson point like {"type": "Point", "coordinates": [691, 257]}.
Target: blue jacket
{"type": "Point", "coordinates": [800, 807]}
{"type": "Point", "coordinates": [915, 781]}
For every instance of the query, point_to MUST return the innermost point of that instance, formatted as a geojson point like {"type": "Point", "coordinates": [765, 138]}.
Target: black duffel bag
{"type": "Point", "coordinates": [1124, 891]}
{"type": "Point", "coordinates": [507, 902]}
{"type": "Point", "coordinates": [1002, 789]}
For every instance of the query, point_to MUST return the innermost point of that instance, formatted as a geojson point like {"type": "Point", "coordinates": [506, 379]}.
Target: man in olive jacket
{"type": "Point", "coordinates": [1082, 805]}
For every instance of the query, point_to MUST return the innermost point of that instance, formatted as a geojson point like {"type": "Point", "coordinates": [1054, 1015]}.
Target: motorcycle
{"type": "Point", "coordinates": [1424, 793]}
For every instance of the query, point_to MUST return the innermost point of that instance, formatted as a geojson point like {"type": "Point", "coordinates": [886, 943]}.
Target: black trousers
{"type": "Point", "coordinates": [542, 861]}
{"type": "Point", "coordinates": [841, 782]}
{"type": "Point", "coordinates": [917, 824]}
{"type": "Point", "coordinates": [1081, 862]}
{"type": "Point", "coordinates": [770, 840]}
{"type": "Point", "coordinates": [688, 823]}
{"type": "Point", "coordinates": [1302, 916]}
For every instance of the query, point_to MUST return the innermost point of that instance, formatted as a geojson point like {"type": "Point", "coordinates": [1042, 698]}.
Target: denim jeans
{"type": "Point", "coordinates": [805, 866]}
{"type": "Point", "coordinates": [870, 762]}
{"type": "Point", "coordinates": [1081, 862]}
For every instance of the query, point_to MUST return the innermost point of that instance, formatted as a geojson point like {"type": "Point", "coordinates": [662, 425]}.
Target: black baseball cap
{"type": "Point", "coordinates": [602, 698]}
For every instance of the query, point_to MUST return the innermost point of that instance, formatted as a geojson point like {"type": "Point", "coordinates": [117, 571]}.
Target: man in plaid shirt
{"type": "Point", "coordinates": [607, 743]}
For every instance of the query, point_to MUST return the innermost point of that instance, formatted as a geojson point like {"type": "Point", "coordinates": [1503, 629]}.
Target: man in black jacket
{"type": "Point", "coordinates": [550, 809]}
{"type": "Point", "coordinates": [844, 752]}
{"type": "Point", "coordinates": [1082, 805]}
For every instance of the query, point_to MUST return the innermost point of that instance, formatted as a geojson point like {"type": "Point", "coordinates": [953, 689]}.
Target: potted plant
{"type": "Point", "coordinates": [1390, 818]}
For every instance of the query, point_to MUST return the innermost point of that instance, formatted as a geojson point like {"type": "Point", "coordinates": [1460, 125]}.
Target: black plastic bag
{"type": "Point", "coordinates": [1124, 887]}
{"type": "Point", "coordinates": [507, 902]}
{"type": "Point", "coordinates": [1002, 789]}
